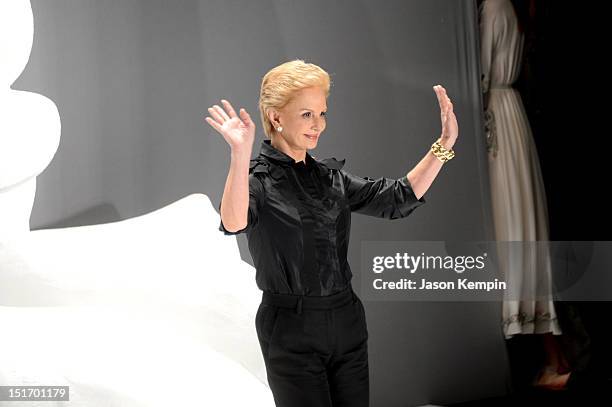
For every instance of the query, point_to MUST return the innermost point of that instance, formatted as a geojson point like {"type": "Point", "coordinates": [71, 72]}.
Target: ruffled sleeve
{"type": "Point", "coordinates": [256, 198]}
{"type": "Point", "coordinates": [382, 198]}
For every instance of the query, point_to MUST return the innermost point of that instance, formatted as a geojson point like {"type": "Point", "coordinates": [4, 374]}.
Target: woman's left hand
{"type": "Point", "coordinates": [450, 129]}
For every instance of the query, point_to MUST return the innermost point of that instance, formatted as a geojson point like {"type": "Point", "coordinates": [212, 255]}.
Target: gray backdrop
{"type": "Point", "coordinates": [132, 81]}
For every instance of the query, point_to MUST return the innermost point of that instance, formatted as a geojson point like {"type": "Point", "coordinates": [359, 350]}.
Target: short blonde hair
{"type": "Point", "coordinates": [280, 83]}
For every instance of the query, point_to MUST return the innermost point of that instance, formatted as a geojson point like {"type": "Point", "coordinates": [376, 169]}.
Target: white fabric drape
{"type": "Point", "coordinates": [155, 310]}
{"type": "Point", "coordinates": [518, 195]}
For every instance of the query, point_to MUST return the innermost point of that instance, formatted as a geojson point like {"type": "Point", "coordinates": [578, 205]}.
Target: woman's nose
{"type": "Point", "coordinates": [318, 124]}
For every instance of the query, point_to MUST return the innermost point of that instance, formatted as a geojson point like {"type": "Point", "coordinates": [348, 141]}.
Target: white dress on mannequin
{"type": "Point", "coordinates": [517, 189]}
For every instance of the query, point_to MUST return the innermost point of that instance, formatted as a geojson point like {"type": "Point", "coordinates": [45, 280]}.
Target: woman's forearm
{"type": "Point", "coordinates": [422, 175]}
{"type": "Point", "coordinates": [235, 200]}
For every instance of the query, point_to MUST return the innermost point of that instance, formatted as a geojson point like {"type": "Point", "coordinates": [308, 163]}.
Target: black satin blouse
{"type": "Point", "coordinates": [299, 219]}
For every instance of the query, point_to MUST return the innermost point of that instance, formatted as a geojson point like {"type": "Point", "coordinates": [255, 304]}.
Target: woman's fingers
{"type": "Point", "coordinates": [220, 117]}
{"type": "Point", "coordinates": [219, 114]}
{"type": "Point", "coordinates": [220, 110]}
{"type": "Point", "coordinates": [229, 108]}
{"type": "Point", "coordinates": [438, 91]}
{"type": "Point", "coordinates": [446, 106]}
{"type": "Point", "coordinates": [215, 114]}
{"type": "Point", "coordinates": [214, 124]}
{"type": "Point", "coordinates": [246, 118]}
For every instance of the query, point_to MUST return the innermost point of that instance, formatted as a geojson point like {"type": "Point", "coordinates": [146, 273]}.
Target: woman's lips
{"type": "Point", "coordinates": [311, 137]}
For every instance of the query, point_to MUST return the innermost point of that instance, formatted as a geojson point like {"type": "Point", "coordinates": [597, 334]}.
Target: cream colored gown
{"type": "Point", "coordinates": [518, 196]}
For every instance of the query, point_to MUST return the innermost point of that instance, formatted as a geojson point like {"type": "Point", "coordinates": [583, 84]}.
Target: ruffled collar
{"type": "Point", "coordinates": [271, 152]}
{"type": "Point", "coordinates": [269, 156]}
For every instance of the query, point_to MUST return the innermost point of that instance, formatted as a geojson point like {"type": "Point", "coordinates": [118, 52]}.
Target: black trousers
{"type": "Point", "coordinates": [315, 349]}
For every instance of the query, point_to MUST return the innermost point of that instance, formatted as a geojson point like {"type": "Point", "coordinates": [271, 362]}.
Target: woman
{"type": "Point", "coordinates": [296, 212]}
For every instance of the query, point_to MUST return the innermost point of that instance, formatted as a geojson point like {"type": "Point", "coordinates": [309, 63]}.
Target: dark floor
{"type": "Point", "coordinates": [597, 396]}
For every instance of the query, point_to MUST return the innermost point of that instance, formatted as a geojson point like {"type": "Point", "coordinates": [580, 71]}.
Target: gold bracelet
{"type": "Point", "coordinates": [442, 153]}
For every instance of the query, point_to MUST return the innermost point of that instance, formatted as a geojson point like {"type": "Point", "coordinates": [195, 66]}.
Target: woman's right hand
{"type": "Point", "coordinates": [238, 131]}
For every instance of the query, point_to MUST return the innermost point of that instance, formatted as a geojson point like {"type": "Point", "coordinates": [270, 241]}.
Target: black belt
{"type": "Point", "coordinates": [299, 302]}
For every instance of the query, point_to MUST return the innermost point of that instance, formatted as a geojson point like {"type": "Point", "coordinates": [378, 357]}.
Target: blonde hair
{"type": "Point", "coordinates": [280, 83]}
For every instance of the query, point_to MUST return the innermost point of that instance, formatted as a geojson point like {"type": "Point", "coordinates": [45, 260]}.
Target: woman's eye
{"type": "Point", "coordinates": [308, 113]}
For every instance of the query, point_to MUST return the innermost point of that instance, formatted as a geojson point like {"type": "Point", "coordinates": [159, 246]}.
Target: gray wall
{"type": "Point", "coordinates": [132, 81]}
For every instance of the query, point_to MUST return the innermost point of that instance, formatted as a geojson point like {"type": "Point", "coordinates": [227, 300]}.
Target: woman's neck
{"type": "Point", "coordinates": [281, 145]}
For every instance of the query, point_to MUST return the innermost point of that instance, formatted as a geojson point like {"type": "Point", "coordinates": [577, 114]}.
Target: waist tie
{"type": "Point", "coordinates": [300, 302]}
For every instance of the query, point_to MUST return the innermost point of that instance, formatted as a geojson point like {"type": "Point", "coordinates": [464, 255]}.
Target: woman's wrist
{"type": "Point", "coordinates": [441, 152]}
{"type": "Point", "coordinates": [445, 143]}
{"type": "Point", "coordinates": [241, 154]}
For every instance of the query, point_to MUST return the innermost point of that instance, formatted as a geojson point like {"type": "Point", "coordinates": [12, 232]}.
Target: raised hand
{"type": "Point", "coordinates": [238, 131]}
{"type": "Point", "coordinates": [450, 128]}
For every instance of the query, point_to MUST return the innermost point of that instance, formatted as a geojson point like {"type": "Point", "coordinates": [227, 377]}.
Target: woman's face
{"type": "Point", "coordinates": [302, 117]}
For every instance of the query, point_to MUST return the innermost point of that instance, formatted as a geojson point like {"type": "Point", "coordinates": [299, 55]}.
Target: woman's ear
{"type": "Point", "coordinates": [274, 117]}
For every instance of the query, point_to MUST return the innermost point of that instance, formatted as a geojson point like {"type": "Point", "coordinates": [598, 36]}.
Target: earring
{"type": "Point", "coordinates": [279, 129]}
